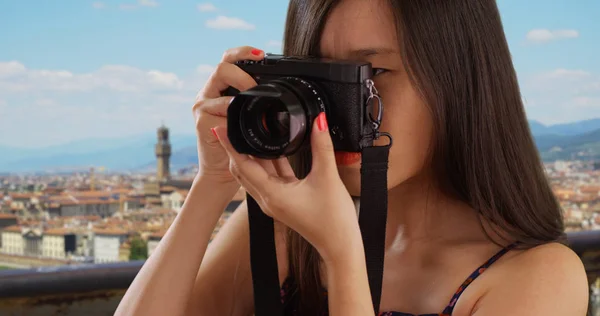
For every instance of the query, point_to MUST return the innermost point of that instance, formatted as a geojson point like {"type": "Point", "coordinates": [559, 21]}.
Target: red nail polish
{"type": "Point", "coordinates": [214, 132]}
{"type": "Point", "coordinates": [256, 52]}
{"type": "Point", "coordinates": [322, 122]}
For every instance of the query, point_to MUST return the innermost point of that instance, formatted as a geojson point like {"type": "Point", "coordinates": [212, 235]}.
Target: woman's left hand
{"type": "Point", "coordinates": [318, 207]}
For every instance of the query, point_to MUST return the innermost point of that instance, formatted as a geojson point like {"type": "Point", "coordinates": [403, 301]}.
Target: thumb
{"type": "Point", "coordinates": [323, 156]}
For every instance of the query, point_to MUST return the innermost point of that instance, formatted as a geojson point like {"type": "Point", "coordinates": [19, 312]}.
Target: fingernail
{"type": "Point", "coordinates": [214, 132]}
{"type": "Point", "coordinates": [256, 52]}
{"type": "Point", "coordinates": [322, 122]}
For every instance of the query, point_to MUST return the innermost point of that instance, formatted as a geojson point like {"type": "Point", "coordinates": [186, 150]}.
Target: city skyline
{"type": "Point", "coordinates": [108, 69]}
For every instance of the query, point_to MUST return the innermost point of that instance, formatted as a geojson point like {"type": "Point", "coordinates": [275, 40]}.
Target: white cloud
{"type": "Point", "coordinates": [15, 77]}
{"type": "Point", "coordinates": [91, 115]}
{"type": "Point", "coordinates": [566, 74]}
{"type": "Point", "coordinates": [545, 35]}
{"type": "Point", "coordinates": [587, 102]}
{"type": "Point", "coordinates": [229, 23]}
{"type": "Point", "coordinates": [562, 95]}
{"type": "Point", "coordinates": [559, 80]}
{"type": "Point", "coordinates": [45, 102]}
{"type": "Point", "coordinates": [593, 86]}
{"type": "Point", "coordinates": [11, 68]}
{"type": "Point", "coordinates": [205, 69]}
{"type": "Point", "coordinates": [562, 80]}
{"type": "Point", "coordinates": [112, 101]}
{"type": "Point", "coordinates": [206, 7]}
{"type": "Point", "coordinates": [165, 79]}
{"type": "Point", "coordinates": [98, 5]}
{"type": "Point", "coordinates": [148, 3]}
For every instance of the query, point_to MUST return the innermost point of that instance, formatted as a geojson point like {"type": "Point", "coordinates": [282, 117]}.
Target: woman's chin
{"type": "Point", "coordinates": [351, 178]}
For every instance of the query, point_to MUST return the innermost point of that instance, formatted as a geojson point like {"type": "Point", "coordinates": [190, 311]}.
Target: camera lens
{"type": "Point", "coordinates": [274, 119]}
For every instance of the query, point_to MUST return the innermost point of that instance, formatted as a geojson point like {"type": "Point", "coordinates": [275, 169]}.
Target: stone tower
{"type": "Point", "coordinates": [163, 154]}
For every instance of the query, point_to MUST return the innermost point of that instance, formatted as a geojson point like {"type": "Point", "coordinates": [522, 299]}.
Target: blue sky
{"type": "Point", "coordinates": [76, 69]}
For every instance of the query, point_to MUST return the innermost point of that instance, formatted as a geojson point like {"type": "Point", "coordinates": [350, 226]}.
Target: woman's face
{"type": "Point", "coordinates": [366, 30]}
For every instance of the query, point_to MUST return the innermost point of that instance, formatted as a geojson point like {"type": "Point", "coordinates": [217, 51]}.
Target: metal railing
{"type": "Point", "coordinates": [95, 290]}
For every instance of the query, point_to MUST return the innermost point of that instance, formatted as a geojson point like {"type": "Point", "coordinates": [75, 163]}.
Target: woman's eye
{"type": "Point", "coordinates": [378, 71]}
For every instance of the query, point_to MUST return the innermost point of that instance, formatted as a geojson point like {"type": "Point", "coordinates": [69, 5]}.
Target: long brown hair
{"type": "Point", "coordinates": [457, 56]}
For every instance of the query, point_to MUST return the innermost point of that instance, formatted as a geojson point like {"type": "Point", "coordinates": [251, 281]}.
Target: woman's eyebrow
{"type": "Point", "coordinates": [371, 51]}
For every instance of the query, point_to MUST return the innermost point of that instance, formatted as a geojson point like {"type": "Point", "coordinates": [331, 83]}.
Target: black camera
{"type": "Point", "coordinates": [275, 118]}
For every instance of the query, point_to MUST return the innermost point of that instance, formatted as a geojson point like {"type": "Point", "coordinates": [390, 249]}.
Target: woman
{"type": "Point", "coordinates": [467, 192]}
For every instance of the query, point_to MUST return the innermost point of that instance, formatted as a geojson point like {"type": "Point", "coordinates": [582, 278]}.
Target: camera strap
{"type": "Point", "coordinates": [263, 262]}
{"type": "Point", "coordinates": [372, 220]}
{"type": "Point", "coordinates": [372, 216]}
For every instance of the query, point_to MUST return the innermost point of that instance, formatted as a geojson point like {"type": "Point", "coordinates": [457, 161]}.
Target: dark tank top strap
{"type": "Point", "coordinates": [448, 310]}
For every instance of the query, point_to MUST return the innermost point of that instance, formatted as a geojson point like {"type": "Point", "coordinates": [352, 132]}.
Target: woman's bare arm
{"type": "Point", "coordinates": [165, 283]}
{"type": "Point", "coordinates": [224, 283]}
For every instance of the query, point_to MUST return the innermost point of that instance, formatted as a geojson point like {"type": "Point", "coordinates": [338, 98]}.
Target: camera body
{"type": "Point", "coordinates": [275, 118]}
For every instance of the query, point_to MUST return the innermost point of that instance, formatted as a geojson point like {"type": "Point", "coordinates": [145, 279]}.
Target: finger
{"type": "Point", "coordinates": [267, 165]}
{"type": "Point", "coordinates": [241, 82]}
{"type": "Point", "coordinates": [247, 170]}
{"type": "Point", "coordinates": [236, 54]}
{"type": "Point", "coordinates": [217, 107]}
{"type": "Point", "coordinates": [211, 138]}
{"type": "Point", "coordinates": [284, 169]}
{"type": "Point", "coordinates": [322, 148]}
{"type": "Point", "coordinates": [226, 75]}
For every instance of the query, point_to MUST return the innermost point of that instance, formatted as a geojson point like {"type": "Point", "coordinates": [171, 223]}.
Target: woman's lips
{"type": "Point", "coordinates": [346, 158]}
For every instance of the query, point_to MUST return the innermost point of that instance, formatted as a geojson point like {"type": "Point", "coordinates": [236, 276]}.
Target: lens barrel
{"type": "Point", "coordinates": [274, 119]}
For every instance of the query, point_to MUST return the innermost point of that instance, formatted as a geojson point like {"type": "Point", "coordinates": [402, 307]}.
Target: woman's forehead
{"type": "Point", "coordinates": [356, 27]}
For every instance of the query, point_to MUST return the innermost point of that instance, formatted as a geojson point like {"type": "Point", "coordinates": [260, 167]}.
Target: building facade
{"type": "Point", "coordinates": [12, 240]}
{"type": "Point", "coordinates": [6, 220]}
{"type": "Point", "coordinates": [84, 208]}
{"type": "Point", "coordinates": [59, 243]}
{"type": "Point", "coordinates": [32, 242]}
{"type": "Point", "coordinates": [107, 244]}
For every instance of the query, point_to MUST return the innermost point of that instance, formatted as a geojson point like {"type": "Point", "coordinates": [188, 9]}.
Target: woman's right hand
{"type": "Point", "coordinates": [210, 110]}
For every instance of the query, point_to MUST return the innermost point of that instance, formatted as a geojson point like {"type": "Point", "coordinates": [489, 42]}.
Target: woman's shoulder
{"type": "Point", "coordinates": [547, 279]}
{"type": "Point", "coordinates": [540, 255]}
{"type": "Point", "coordinates": [551, 259]}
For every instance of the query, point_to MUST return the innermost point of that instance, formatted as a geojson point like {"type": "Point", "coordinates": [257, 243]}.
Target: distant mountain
{"type": "Point", "coordinates": [575, 128]}
{"type": "Point", "coordinates": [114, 154]}
{"type": "Point", "coordinates": [564, 147]}
{"type": "Point", "coordinates": [561, 141]}
{"type": "Point", "coordinates": [551, 147]}
{"type": "Point", "coordinates": [180, 158]}
{"type": "Point", "coordinates": [538, 128]}
{"type": "Point", "coordinates": [547, 141]}
{"type": "Point", "coordinates": [185, 156]}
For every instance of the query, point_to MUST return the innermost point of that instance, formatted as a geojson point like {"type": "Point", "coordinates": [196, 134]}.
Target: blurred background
{"type": "Point", "coordinates": [97, 144]}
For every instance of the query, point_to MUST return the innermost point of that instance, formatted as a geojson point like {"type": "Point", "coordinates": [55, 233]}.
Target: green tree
{"type": "Point", "coordinates": [138, 250]}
